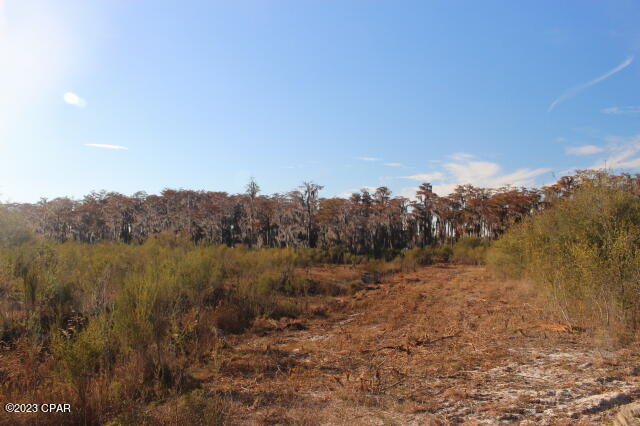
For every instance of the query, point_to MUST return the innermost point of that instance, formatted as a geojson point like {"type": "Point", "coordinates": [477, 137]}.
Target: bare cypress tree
{"type": "Point", "coordinates": [366, 223]}
{"type": "Point", "coordinates": [251, 190]}
{"type": "Point", "coordinates": [310, 204]}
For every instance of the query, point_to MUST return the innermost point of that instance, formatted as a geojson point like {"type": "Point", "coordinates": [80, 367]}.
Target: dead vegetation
{"type": "Point", "coordinates": [172, 332]}
{"type": "Point", "coordinates": [441, 345]}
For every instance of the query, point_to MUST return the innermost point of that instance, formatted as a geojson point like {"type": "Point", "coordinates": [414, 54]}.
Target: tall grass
{"type": "Point", "coordinates": [467, 251]}
{"type": "Point", "coordinates": [111, 326]}
{"type": "Point", "coordinates": [470, 250]}
{"type": "Point", "coordinates": [13, 229]}
{"type": "Point", "coordinates": [584, 252]}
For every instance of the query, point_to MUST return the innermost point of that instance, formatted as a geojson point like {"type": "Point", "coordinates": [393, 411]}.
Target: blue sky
{"type": "Point", "coordinates": [148, 94]}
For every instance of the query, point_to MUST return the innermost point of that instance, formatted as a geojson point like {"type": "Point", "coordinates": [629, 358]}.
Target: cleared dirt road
{"type": "Point", "coordinates": [441, 345]}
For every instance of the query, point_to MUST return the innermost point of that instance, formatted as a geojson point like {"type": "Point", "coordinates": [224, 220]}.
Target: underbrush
{"type": "Point", "coordinates": [110, 327]}
{"type": "Point", "coordinates": [13, 229]}
{"type": "Point", "coordinates": [470, 251]}
{"type": "Point", "coordinates": [584, 253]}
{"type": "Point", "coordinates": [466, 251]}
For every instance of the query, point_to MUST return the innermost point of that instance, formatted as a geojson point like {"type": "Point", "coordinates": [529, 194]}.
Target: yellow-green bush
{"type": "Point", "coordinates": [124, 322]}
{"type": "Point", "coordinates": [410, 259]}
{"type": "Point", "coordinates": [355, 286]}
{"type": "Point", "coordinates": [80, 358]}
{"type": "Point", "coordinates": [470, 250]}
{"type": "Point", "coordinates": [13, 229]}
{"type": "Point", "coordinates": [121, 324]}
{"type": "Point", "coordinates": [584, 252]}
{"type": "Point", "coordinates": [204, 409]}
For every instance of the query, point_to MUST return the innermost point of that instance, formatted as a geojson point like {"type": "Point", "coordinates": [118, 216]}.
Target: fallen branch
{"type": "Point", "coordinates": [428, 342]}
{"type": "Point", "coordinates": [420, 342]}
{"type": "Point", "coordinates": [384, 388]}
{"type": "Point", "coordinates": [397, 347]}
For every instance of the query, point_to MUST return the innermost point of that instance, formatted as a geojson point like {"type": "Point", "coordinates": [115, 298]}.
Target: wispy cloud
{"type": "Point", "coordinates": [367, 159]}
{"type": "Point", "coordinates": [478, 173]}
{"type": "Point", "coordinates": [444, 188]}
{"type": "Point", "coordinates": [574, 91]}
{"type": "Point", "coordinates": [622, 154]}
{"type": "Point", "coordinates": [425, 177]}
{"type": "Point", "coordinates": [461, 156]}
{"type": "Point", "coordinates": [488, 174]}
{"type": "Point", "coordinates": [472, 171]}
{"type": "Point", "coordinates": [75, 100]}
{"type": "Point", "coordinates": [583, 150]}
{"type": "Point", "coordinates": [625, 110]}
{"type": "Point", "coordinates": [521, 177]}
{"type": "Point", "coordinates": [105, 146]}
{"type": "Point", "coordinates": [393, 164]}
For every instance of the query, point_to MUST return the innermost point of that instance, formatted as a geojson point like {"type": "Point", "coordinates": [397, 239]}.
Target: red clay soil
{"type": "Point", "coordinates": [442, 345]}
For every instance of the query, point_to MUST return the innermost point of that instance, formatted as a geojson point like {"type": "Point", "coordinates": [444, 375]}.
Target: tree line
{"type": "Point", "coordinates": [368, 222]}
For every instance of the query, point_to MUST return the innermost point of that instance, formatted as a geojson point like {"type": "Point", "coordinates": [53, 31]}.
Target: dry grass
{"type": "Point", "coordinates": [441, 345]}
{"type": "Point", "coordinates": [419, 347]}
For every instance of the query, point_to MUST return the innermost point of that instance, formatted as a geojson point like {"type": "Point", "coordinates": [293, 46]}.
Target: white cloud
{"type": "Point", "coordinates": [409, 192]}
{"type": "Point", "coordinates": [425, 177]}
{"type": "Point", "coordinates": [367, 159]}
{"type": "Point", "coordinates": [393, 164]}
{"type": "Point", "coordinates": [487, 174]}
{"type": "Point", "coordinates": [105, 146]}
{"type": "Point", "coordinates": [441, 190]}
{"type": "Point", "coordinates": [75, 100]}
{"type": "Point", "coordinates": [478, 173]}
{"type": "Point", "coordinates": [574, 91]}
{"type": "Point", "coordinates": [521, 177]}
{"type": "Point", "coordinates": [583, 150]}
{"type": "Point", "coordinates": [561, 139]}
{"type": "Point", "coordinates": [461, 156]}
{"type": "Point", "coordinates": [619, 154]}
{"type": "Point", "coordinates": [625, 110]}
{"type": "Point", "coordinates": [444, 189]}
{"type": "Point", "coordinates": [622, 154]}
{"type": "Point", "coordinates": [471, 171]}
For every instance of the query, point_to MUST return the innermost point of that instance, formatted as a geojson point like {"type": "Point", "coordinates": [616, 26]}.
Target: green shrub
{"type": "Point", "coordinates": [79, 358]}
{"type": "Point", "coordinates": [285, 308]}
{"type": "Point", "coordinates": [296, 285]}
{"type": "Point", "coordinates": [441, 254]}
{"type": "Point", "coordinates": [470, 250]}
{"type": "Point", "coordinates": [203, 409]}
{"type": "Point", "coordinates": [506, 256]}
{"type": "Point", "coordinates": [13, 229]}
{"type": "Point", "coordinates": [376, 269]}
{"type": "Point", "coordinates": [355, 286]}
{"type": "Point", "coordinates": [417, 256]}
{"type": "Point", "coordinates": [268, 283]}
{"type": "Point", "coordinates": [584, 252]}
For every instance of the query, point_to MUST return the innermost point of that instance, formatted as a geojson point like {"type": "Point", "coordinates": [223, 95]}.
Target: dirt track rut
{"type": "Point", "coordinates": [441, 345]}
